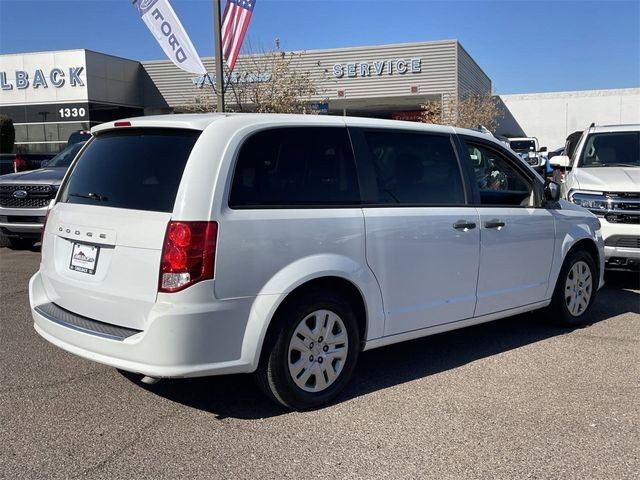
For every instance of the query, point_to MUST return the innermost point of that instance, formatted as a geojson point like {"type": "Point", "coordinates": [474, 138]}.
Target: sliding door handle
{"type": "Point", "coordinates": [464, 225]}
{"type": "Point", "coordinates": [494, 224]}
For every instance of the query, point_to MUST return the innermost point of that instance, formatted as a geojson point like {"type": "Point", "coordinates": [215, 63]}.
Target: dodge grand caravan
{"type": "Point", "coordinates": [284, 245]}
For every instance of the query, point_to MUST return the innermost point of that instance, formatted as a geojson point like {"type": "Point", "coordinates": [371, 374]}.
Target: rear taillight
{"type": "Point", "coordinates": [188, 254]}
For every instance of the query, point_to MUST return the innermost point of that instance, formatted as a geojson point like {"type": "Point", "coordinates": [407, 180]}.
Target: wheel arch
{"type": "Point", "coordinates": [570, 314]}
{"type": "Point", "coordinates": [350, 280]}
{"type": "Point", "coordinates": [590, 247]}
{"type": "Point", "coordinates": [343, 287]}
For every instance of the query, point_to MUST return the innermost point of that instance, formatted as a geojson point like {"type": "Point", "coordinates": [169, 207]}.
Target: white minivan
{"type": "Point", "coordinates": [192, 245]}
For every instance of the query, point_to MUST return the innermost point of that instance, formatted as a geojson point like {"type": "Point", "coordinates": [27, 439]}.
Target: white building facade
{"type": "Point", "coordinates": [551, 117]}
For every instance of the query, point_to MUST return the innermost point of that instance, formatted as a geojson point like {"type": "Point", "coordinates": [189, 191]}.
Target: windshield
{"type": "Point", "coordinates": [66, 156]}
{"type": "Point", "coordinates": [611, 150]}
{"type": "Point", "coordinates": [522, 145]}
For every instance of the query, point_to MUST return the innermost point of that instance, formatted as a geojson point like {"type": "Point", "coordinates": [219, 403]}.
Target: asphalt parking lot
{"type": "Point", "coordinates": [517, 398]}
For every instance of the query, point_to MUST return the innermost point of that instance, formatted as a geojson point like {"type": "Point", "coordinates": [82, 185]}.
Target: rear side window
{"type": "Point", "coordinates": [415, 169]}
{"type": "Point", "coordinates": [137, 169]}
{"type": "Point", "coordinates": [310, 166]}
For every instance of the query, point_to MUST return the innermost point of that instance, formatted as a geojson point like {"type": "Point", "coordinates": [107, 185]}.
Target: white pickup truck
{"type": "Point", "coordinates": [603, 176]}
{"type": "Point", "coordinates": [527, 148]}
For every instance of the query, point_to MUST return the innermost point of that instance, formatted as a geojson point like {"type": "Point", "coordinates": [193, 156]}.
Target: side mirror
{"type": "Point", "coordinates": [551, 192]}
{"type": "Point", "coordinates": [543, 149]}
{"type": "Point", "coordinates": [560, 161]}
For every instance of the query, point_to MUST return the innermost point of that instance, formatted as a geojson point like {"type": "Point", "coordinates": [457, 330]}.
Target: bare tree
{"type": "Point", "coordinates": [203, 102]}
{"type": "Point", "coordinates": [469, 112]}
{"type": "Point", "coordinates": [289, 89]}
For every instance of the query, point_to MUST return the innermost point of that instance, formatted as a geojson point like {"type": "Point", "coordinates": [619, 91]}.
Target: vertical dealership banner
{"type": "Point", "coordinates": [235, 22]}
{"type": "Point", "coordinates": [165, 26]}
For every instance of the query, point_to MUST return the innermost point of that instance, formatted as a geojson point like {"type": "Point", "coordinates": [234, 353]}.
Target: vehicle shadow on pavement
{"type": "Point", "coordinates": [237, 396]}
{"type": "Point", "coordinates": [33, 248]}
{"type": "Point", "coordinates": [622, 279]}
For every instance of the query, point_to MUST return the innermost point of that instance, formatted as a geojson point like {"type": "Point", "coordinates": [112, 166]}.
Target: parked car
{"type": "Point", "coordinates": [20, 162]}
{"type": "Point", "coordinates": [25, 196]}
{"type": "Point", "coordinates": [530, 152]}
{"type": "Point", "coordinates": [79, 136]}
{"type": "Point", "coordinates": [604, 176]}
{"type": "Point", "coordinates": [192, 245]}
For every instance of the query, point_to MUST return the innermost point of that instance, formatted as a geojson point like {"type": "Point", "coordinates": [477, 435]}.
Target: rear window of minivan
{"type": "Point", "coordinates": [137, 169]}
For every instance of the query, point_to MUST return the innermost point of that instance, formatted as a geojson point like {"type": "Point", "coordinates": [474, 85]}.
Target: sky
{"type": "Point", "coordinates": [523, 46]}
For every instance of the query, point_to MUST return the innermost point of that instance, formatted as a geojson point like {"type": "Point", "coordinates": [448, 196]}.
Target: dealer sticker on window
{"type": "Point", "coordinates": [84, 258]}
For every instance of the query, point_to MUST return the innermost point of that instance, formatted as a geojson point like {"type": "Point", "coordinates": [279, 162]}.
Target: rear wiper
{"type": "Point", "coordinates": [92, 196]}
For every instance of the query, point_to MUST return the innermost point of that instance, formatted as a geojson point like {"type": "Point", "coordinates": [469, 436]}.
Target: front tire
{"type": "Point", "coordinates": [311, 356]}
{"type": "Point", "coordinates": [575, 290]}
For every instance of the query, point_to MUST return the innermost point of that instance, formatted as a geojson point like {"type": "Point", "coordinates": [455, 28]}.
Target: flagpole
{"type": "Point", "coordinates": [217, 40]}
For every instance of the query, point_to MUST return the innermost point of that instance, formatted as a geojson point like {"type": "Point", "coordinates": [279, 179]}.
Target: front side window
{"type": "Point", "coordinates": [415, 168]}
{"type": "Point", "coordinates": [311, 166]}
{"type": "Point", "coordinates": [498, 181]}
{"type": "Point", "coordinates": [611, 150]}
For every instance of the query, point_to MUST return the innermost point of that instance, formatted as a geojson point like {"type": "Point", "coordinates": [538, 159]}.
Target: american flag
{"type": "Point", "coordinates": [235, 21]}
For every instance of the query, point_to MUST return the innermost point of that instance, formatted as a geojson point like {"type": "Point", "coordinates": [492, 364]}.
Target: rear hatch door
{"type": "Point", "coordinates": [103, 242]}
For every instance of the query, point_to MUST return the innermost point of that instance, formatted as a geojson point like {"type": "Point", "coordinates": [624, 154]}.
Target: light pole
{"type": "Point", "coordinates": [217, 40]}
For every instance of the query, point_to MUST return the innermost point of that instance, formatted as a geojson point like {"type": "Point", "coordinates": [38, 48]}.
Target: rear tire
{"type": "Point", "coordinates": [575, 290]}
{"type": "Point", "coordinates": [310, 357]}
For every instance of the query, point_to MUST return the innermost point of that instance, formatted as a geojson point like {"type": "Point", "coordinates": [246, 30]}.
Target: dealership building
{"type": "Point", "coordinates": [50, 95]}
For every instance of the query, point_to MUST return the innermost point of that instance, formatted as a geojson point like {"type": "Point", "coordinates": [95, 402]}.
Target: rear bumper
{"type": "Point", "coordinates": [178, 341]}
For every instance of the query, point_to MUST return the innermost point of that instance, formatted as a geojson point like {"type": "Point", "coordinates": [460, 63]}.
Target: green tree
{"type": "Point", "coordinates": [7, 134]}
